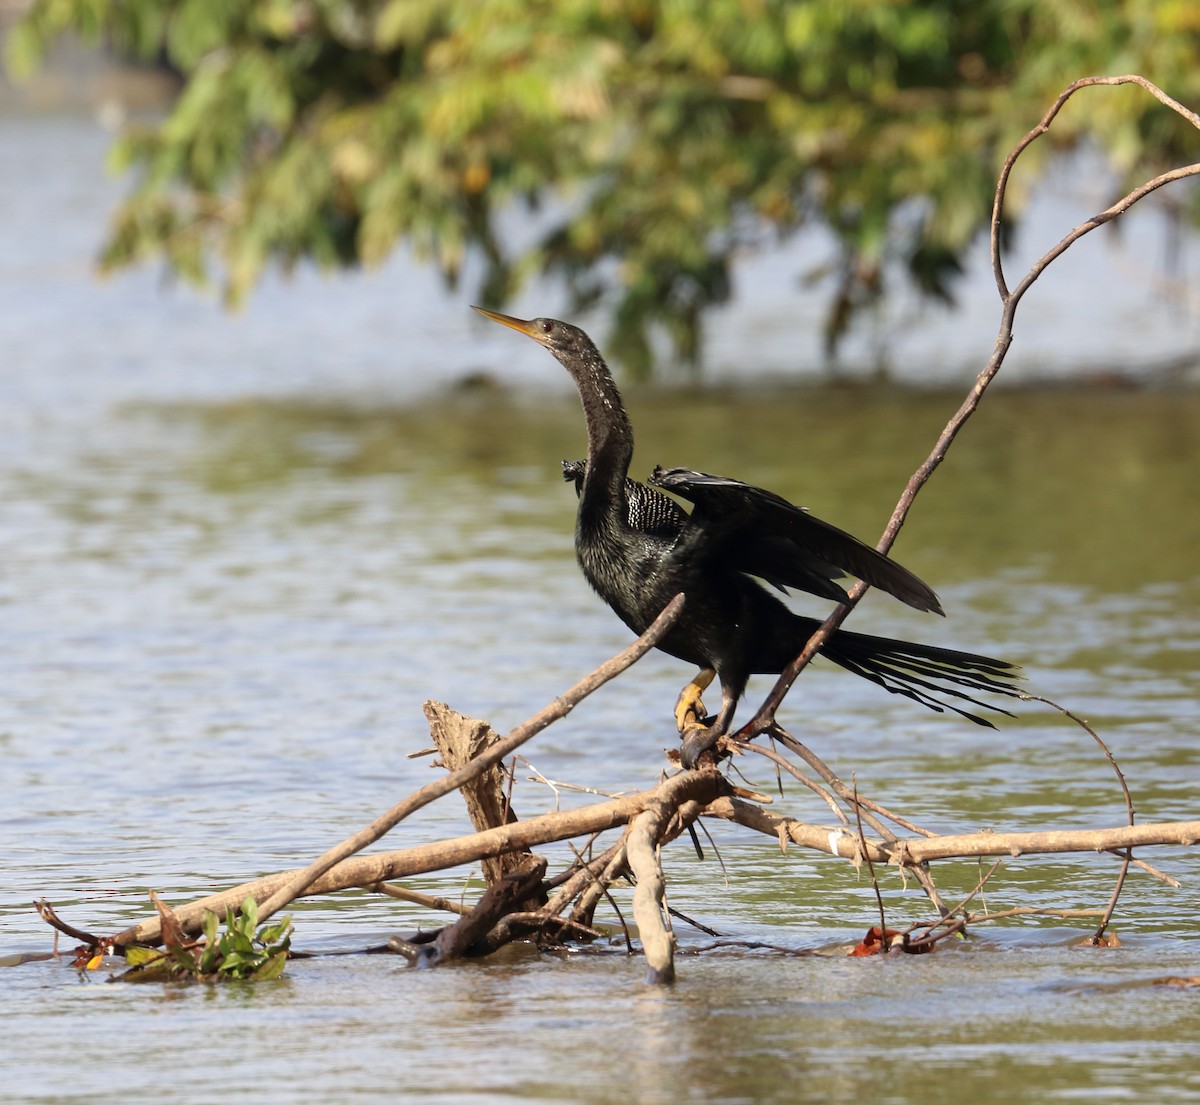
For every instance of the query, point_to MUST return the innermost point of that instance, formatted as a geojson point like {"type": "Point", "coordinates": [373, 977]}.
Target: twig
{"type": "Point", "coordinates": [958, 924]}
{"type": "Point", "coordinates": [597, 886]}
{"type": "Point", "coordinates": [716, 852]}
{"type": "Point", "coordinates": [1150, 870]}
{"type": "Point", "coordinates": [883, 940]}
{"type": "Point", "coordinates": [782, 763]}
{"type": "Point", "coordinates": [572, 873]}
{"type": "Point", "coordinates": [429, 901]}
{"type": "Point", "coordinates": [678, 915]}
{"type": "Point", "coordinates": [960, 907]}
{"type": "Point", "coordinates": [920, 873]}
{"type": "Point", "coordinates": [603, 885]}
{"type": "Point", "coordinates": [537, 921]}
{"type": "Point", "coordinates": [47, 914]}
{"type": "Point", "coordinates": [557, 785]}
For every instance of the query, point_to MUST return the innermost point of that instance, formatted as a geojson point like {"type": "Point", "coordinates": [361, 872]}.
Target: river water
{"type": "Point", "coordinates": [239, 553]}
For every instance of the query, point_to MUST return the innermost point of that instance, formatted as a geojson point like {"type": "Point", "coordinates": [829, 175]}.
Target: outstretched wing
{"type": "Point", "coordinates": [757, 532]}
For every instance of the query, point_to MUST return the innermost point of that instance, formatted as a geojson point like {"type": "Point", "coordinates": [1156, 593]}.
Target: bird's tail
{"type": "Point", "coordinates": [925, 672]}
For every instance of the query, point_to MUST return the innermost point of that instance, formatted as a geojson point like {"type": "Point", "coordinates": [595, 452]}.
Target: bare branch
{"type": "Point", "coordinates": [1127, 855]}
{"type": "Point", "coordinates": [431, 791]}
{"type": "Point", "coordinates": [765, 714]}
{"type": "Point", "coordinates": [839, 842]}
{"type": "Point", "coordinates": [368, 870]}
{"type": "Point", "coordinates": [647, 832]}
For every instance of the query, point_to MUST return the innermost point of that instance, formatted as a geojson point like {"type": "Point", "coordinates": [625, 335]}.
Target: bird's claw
{"type": "Point", "coordinates": [689, 710]}
{"type": "Point", "coordinates": [698, 732]}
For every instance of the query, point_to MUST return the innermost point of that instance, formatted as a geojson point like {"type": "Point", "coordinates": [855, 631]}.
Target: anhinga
{"type": "Point", "coordinates": [638, 549]}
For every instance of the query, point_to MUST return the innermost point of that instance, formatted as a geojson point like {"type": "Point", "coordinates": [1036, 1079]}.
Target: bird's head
{"type": "Point", "coordinates": [565, 341]}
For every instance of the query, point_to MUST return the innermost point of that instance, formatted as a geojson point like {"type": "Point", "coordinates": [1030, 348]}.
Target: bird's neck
{"type": "Point", "coordinates": [610, 436]}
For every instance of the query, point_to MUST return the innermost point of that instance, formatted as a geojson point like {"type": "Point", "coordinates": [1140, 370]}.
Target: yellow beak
{"type": "Point", "coordinates": [520, 325]}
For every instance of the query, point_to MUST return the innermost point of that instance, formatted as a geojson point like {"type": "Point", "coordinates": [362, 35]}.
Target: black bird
{"type": "Point", "coordinates": [638, 549]}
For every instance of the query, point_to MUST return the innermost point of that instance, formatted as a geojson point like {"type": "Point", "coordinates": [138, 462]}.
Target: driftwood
{"type": "Point", "coordinates": [442, 855]}
{"type": "Point", "coordinates": [523, 900]}
{"type": "Point", "coordinates": [459, 740]}
{"type": "Point", "coordinates": [656, 816]}
{"type": "Point", "coordinates": [493, 754]}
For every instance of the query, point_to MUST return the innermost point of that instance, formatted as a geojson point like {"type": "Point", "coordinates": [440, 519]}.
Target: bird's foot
{"type": "Point", "coordinates": [689, 710]}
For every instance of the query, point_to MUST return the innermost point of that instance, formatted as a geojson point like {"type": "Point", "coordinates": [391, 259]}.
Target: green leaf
{"type": "Point", "coordinates": [272, 968]}
{"type": "Point", "coordinates": [23, 50]}
{"type": "Point", "coordinates": [137, 956]}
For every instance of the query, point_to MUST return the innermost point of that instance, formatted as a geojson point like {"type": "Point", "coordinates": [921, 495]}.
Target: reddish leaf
{"type": "Point", "coordinates": [869, 945]}
{"type": "Point", "coordinates": [172, 931]}
{"type": "Point", "coordinates": [894, 941]}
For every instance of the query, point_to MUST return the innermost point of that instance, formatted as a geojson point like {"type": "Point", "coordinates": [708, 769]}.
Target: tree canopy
{"type": "Point", "coordinates": [659, 140]}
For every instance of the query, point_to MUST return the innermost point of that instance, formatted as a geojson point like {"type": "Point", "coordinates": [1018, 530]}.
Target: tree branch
{"type": "Point", "coordinates": [368, 870]}
{"type": "Point", "coordinates": [765, 715]}
{"type": "Point", "coordinates": [910, 852]}
{"type": "Point", "coordinates": [560, 707]}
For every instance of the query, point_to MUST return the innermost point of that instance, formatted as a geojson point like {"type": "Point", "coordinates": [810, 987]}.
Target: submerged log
{"type": "Point", "coordinates": [468, 935]}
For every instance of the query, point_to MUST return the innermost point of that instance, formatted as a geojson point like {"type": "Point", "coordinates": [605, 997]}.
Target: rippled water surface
{"type": "Point", "coordinates": [239, 554]}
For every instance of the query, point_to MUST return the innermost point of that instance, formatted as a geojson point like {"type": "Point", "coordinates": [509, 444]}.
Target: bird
{"type": "Point", "coordinates": [638, 548]}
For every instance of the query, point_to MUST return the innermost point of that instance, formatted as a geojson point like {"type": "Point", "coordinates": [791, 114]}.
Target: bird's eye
{"type": "Point", "coordinates": [547, 326]}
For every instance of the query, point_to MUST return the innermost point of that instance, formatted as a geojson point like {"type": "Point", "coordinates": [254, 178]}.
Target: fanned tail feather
{"type": "Point", "coordinates": [923, 672]}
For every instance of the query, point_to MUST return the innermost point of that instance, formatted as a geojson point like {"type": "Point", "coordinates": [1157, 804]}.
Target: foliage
{"type": "Point", "coordinates": [238, 952]}
{"type": "Point", "coordinates": [657, 140]}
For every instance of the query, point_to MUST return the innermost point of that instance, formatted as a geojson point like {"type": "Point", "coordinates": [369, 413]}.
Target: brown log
{"type": "Point", "coordinates": [839, 842]}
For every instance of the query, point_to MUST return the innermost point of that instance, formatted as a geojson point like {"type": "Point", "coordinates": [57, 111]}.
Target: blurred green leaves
{"type": "Point", "coordinates": [659, 140]}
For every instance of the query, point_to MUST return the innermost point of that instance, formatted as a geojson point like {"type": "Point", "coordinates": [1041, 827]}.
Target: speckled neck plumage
{"type": "Point", "coordinates": [609, 434]}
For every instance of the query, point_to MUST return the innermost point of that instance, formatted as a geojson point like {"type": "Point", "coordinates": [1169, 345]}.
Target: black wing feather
{"type": "Point", "coordinates": [762, 534]}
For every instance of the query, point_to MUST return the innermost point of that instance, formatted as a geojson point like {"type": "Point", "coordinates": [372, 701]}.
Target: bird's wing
{"type": "Point", "coordinates": [647, 511]}
{"type": "Point", "coordinates": [757, 532]}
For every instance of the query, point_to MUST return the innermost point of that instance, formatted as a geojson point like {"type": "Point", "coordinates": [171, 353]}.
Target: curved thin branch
{"type": "Point", "coordinates": [1042, 128]}
{"type": "Point", "coordinates": [765, 715]}
{"type": "Point", "coordinates": [1127, 854]}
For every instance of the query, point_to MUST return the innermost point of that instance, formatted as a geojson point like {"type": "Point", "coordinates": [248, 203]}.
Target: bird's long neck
{"type": "Point", "coordinates": [610, 436]}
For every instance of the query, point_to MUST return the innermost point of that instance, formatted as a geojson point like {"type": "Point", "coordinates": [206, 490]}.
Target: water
{"type": "Point", "coordinates": [239, 554]}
